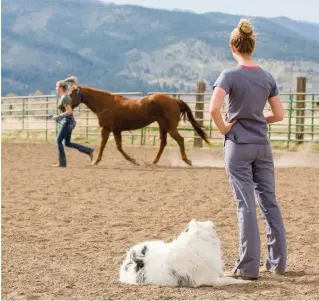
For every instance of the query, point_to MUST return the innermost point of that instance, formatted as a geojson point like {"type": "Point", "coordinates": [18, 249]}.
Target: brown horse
{"type": "Point", "coordinates": [117, 113]}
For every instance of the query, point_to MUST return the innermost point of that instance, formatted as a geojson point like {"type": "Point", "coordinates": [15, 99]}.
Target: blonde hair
{"type": "Point", "coordinates": [243, 37]}
{"type": "Point", "coordinates": [62, 84]}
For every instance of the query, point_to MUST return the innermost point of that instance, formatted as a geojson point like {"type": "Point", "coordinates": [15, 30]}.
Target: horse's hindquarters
{"type": "Point", "coordinates": [165, 109]}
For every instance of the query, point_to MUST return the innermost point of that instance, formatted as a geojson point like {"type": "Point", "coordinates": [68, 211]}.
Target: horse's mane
{"type": "Point", "coordinates": [94, 90]}
{"type": "Point", "coordinates": [74, 81]}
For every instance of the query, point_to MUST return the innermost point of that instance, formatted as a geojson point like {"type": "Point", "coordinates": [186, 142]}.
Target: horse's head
{"type": "Point", "coordinates": [74, 91]}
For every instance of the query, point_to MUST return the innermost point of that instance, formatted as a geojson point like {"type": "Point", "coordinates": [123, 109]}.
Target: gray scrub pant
{"type": "Point", "coordinates": [250, 169]}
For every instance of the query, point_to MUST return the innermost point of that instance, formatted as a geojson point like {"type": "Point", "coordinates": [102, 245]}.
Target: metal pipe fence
{"type": "Point", "coordinates": [26, 118]}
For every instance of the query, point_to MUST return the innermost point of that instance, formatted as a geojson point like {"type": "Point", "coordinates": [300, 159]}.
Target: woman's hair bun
{"type": "Point", "coordinates": [245, 28]}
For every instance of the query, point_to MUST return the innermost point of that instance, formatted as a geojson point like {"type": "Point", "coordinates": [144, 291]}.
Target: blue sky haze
{"type": "Point", "coordinates": [305, 10]}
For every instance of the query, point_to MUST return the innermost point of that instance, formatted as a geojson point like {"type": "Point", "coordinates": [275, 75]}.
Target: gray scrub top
{"type": "Point", "coordinates": [249, 88]}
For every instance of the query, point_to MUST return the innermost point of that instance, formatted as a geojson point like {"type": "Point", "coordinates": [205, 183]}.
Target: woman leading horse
{"type": "Point", "coordinates": [67, 125]}
{"type": "Point", "coordinates": [117, 114]}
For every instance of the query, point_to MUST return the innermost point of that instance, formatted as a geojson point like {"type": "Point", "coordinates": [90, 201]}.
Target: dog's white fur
{"type": "Point", "coordinates": [193, 259]}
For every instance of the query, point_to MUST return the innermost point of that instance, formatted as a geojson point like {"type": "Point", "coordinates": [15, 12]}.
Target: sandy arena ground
{"type": "Point", "coordinates": [65, 231]}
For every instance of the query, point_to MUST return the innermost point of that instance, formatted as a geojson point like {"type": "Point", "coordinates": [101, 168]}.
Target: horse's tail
{"type": "Point", "coordinates": [186, 111]}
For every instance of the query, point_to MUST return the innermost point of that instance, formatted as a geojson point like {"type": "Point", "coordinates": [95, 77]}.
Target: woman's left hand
{"type": "Point", "coordinates": [55, 117]}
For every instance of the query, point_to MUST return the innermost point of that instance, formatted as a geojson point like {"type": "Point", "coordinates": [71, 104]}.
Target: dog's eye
{"type": "Point", "coordinates": [187, 230]}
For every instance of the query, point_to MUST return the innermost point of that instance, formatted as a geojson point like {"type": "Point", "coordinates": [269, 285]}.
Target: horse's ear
{"type": "Point", "coordinates": [73, 80]}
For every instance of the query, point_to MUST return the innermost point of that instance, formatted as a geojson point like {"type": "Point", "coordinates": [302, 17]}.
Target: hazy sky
{"type": "Point", "coordinates": [307, 10]}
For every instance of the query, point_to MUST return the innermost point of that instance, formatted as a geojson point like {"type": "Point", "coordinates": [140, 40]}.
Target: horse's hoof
{"type": "Point", "coordinates": [188, 162]}
{"type": "Point", "coordinates": [134, 162]}
{"type": "Point", "coordinates": [95, 162]}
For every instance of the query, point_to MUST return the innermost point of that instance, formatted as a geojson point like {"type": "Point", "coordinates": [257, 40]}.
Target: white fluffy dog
{"type": "Point", "coordinates": [193, 259]}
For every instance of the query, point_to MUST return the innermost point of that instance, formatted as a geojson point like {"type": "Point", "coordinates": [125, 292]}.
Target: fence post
{"type": "Point", "coordinates": [46, 119]}
{"type": "Point", "coordinates": [300, 106]}
{"type": "Point", "coordinates": [144, 139]}
{"type": "Point", "coordinates": [27, 111]}
{"type": "Point", "coordinates": [289, 120]}
{"type": "Point", "coordinates": [141, 141]}
{"type": "Point", "coordinates": [199, 111]}
{"type": "Point", "coordinates": [312, 116]}
{"type": "Point", "coordinates": [23, 112]}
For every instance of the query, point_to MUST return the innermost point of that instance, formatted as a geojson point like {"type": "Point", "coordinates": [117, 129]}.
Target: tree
{"type": "Point", "coordinates": [37, 93]}
{"type": "Point", "coordinates": [11, 95]}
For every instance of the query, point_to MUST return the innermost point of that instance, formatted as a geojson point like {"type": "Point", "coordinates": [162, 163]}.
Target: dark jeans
{"type": "Point", "coordinates": [65, 134]}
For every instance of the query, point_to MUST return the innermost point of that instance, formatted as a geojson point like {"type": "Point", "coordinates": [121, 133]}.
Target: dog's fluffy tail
{"type": "Point", "coordinates": [228, 281]}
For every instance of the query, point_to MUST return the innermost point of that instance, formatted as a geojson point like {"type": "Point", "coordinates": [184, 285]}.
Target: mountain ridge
{"type": "Point", "coordinates": [128, 47]}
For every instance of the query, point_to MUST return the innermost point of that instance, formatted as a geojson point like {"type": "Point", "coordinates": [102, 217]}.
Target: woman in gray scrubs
{"type": "Point", "coordinates": [248, 155]}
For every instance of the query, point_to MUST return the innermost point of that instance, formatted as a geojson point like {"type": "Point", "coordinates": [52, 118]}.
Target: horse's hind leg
{"type": "Point", "coordinates": [118, 140]}
{"type": "Point", "coordinates": [163, 137]}
{"type": "Point", "coordinates": [105, 133]}
{"type": "Point", "coordinates": [180, 140]}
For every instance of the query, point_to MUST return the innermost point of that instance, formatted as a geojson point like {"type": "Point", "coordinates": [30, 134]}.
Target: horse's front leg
{"type": "Point", "coordinates": [105, 133]}
{"type": "Point", "coordinates": [118, 140]}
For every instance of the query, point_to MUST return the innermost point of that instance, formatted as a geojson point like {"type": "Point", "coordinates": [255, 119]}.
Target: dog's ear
{"type": "Point", "coordinates": [144, 250]}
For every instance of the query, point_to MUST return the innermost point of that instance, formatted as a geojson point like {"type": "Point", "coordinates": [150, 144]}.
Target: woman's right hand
{"type": "Point", "coordinates": [228, 127]}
